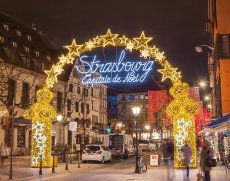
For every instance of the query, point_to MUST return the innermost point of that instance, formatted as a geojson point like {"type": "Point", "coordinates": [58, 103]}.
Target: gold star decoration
{"type": "Point", "coordinates": [97, 41]}
{"type": "Point", "coordinates": [74, 48]}
{"type": "Point", "coordinates": [51, 77]}
{"type": "Point", "coordinates": [123, 40]}
{"type": "Point", "coordinates": [168, 72]}
{"type": "Point", "coordinates": [142, 40]}
{"type": "Point", "coordinates": [109, 38]}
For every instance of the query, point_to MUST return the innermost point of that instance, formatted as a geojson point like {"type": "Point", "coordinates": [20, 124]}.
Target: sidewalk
{"type": "Point", "coordinates": [105, 172]}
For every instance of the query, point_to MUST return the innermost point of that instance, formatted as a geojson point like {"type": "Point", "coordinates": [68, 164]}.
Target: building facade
{"type": "Point", "coordinates": [24, 55]}
{"type": "Point", "coordinates": [218, 25]}
{"type": "Point", "coordinates": [149, 129]}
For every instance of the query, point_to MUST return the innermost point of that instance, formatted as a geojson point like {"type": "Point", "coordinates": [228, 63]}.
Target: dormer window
{"type": "Point", "coordinates": [6, 27]}
{"type": "Point", "coordinates": [37, 53]}
{"type": "Point", "coordinates": [29, 37]}
{"type": "Point", "coordinates": [14, 44]}
{"type": "Point", "coordinates": [48, 58]}
{"type": "Point", "coordinates": [19, 34]}
{"type": "Point", "coordinates": [1, 39]}
{"type": "Point", "coordinates": [27, 49]}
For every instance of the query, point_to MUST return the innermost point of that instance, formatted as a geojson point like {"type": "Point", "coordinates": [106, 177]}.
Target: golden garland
{"type": "Point", "coordinates": [181, 109]}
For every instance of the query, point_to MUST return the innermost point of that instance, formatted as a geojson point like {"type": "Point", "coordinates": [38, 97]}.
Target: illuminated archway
{"type": "Point", "coordinates": [182, 109]}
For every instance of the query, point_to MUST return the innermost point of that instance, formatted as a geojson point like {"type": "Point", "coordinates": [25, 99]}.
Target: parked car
{"type": "Point", "coordinates": [99, 153]}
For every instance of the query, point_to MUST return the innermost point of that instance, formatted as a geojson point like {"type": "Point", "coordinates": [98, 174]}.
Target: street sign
{"type": "Point", "coordinates": [136, 130]}
{"type": "Point", "coordinates": [153, 160]}
{"type": "Point", "coordinates": [73, 126]}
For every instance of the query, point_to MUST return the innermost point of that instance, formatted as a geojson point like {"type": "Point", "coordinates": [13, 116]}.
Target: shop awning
{"type": "Point", "coordinates": [220, 121]}
{"type": "Point", "coordinates": [205, 130]}
{"type": "Point", "coordinates": [22, 122]}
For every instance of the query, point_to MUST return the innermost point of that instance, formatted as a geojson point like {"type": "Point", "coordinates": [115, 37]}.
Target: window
{"type": "Point", "coordinates": [14, 44]}
{"type": "Point", "coordinates": [225, 46]}
{"type": "Point", "coordinates": [94, 118]}
{"type": "Point", "coordinates": [20, 137]}
{"type": "Point", "coordinates": [25, 95]}
{"type": "Point", "coordinates": [78, 89]}
{"type": "Point", "coordinates": [37, 53]}
{"type": "Point", "coordinates": [6, 27]}
{"type": "Point", "coordinates": [25, 59]}
{"type": "Point", "coordinates": [48, 58]}
{"type": "Point", "coordinates": [85, 92]}
{"type": "Point", "coordinates": [82, 108]}
{"type": "Point", "coordinates": [87, 108]}
{"type": "Point", "coordinates": [68, 105]}
{"type": "Point", "coordinates": [1, 39]}
{"type": "Point", "coordinates": [70, 87]}
{"type": "Point", "coordinates": [19, 34]}
{"type": "Point", "coordinates": [29, 38]}
{"type": "Point", "coordinates": [59, 102]}
{"type": "Point", "coordinates": [35, 91]}
{"type": "Point", "coordinates": [76, 106]}
{"type": "Point", "coordinates": [26, 49]}
{"type": "Point", "coordinates": [11, 91]}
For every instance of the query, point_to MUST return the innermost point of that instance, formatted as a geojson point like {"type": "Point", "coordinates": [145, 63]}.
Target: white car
{"type": "Point", "coordinates": [99, 153]}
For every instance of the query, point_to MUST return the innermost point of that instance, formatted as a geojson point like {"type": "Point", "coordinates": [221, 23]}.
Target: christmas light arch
{"type": "Point", "coordinates": [182, 109]}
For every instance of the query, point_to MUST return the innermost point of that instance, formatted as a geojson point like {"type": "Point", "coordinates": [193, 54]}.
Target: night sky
{"type": "Point", "coordinates": [176, 25]}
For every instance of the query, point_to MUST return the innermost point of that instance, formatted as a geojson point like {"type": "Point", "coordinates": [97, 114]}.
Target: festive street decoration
{"type": "Point", "coordinates": [156, 99]}
{"type": "Point", "coordinates": [41, 113]}
{"type": "Point", "coordinates": [113, 72]}
{"type": "Point", "coordinates": [182, 109]}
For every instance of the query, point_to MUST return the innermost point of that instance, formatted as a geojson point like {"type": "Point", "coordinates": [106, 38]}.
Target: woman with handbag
{"type": "Point", "coordinates": [206, 153]}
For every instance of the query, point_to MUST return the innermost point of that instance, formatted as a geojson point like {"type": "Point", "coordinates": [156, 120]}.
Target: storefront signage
{"type": "Point", "coordinates": [121, 71]}
{"type": "Point", "coordinates": [153, 160]}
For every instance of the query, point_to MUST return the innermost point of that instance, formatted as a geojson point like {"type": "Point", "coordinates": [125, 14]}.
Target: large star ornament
{"type": "Point", "coordinates": [74, 48]}
{"type": "Point", "coordinates": [109, 38]}
{"type": "Point", "coordinates": [142, 41]}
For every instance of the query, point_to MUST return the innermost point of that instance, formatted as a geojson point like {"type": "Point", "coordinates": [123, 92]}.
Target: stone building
{"type": "Point", "coordinates": [24, 55]}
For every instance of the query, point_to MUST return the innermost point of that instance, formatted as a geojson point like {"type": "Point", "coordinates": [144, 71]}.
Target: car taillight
{"type": "Point", "coordinates": [83, 152]}
{"type": "Point", "coordinates": [99, 152]}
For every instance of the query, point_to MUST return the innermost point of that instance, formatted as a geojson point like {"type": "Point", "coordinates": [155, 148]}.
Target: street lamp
{"type": "Point", "coordinates": [119, 126]}
{"type": "Point", "coordinates": [206, 98]}
{"type": "Point", "coordinates": [136, 112]}
{"type": "Point", "coordinates": [59, 118]}
{"type": "Point", "coordinates": [199, 49]}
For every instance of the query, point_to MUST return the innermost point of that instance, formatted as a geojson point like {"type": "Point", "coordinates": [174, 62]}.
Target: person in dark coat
{"type": "Point", "coordinates": [205, 153]}
{"type": "Point", "coordinates": [164, 150]}
{"type": "Point", "coordinates": [171, 149]}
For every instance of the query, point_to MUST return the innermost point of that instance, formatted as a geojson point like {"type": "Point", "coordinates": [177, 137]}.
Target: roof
{"type": "Point", "coordinates": [39, 43]}
{"type": "Point", "coordinates": [220, 121]}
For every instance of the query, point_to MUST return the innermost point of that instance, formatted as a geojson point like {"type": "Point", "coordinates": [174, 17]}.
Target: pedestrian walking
{"type": "Point", "coordinates": [206, 153]}
{"type": "Point", "coordinates": [4, 154]}
{"type": "Point", "coordinates": [171, 149]}
{"type": "Point", "coordinates": [164, 150]}
{"type": "Point", "coordinates": [187, 154]}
